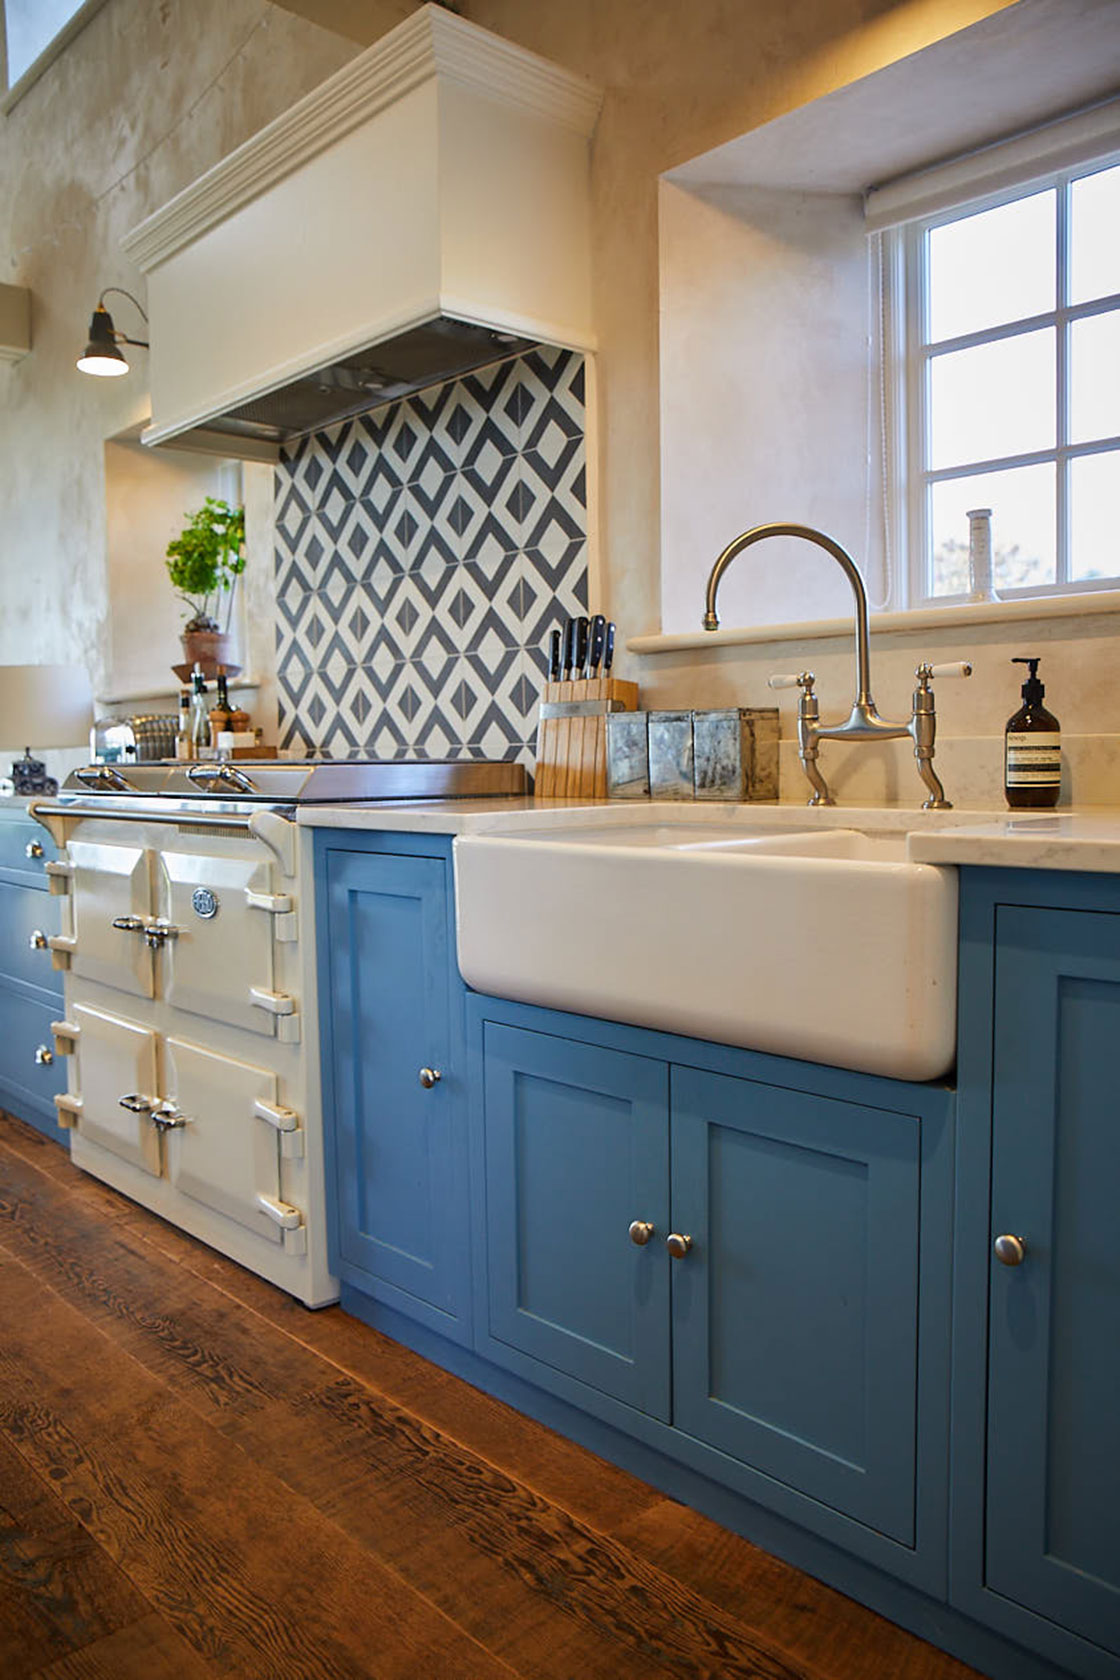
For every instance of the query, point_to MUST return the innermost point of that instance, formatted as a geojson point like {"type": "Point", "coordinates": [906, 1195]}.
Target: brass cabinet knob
{"type": "Point", "coordinates": [33, 849]}
{"type": "Point", "coordinates": [430, 1077]}
{"type": "Point", "coordinates": [1010, 1251]}
{"type": "Point", "coordinates": [678, 1245]}
{"type": "Point", "coordinates": [38, 940]}
{"type": "Point", "coordinates": [640, 1232]}
{"type": "Point", "coordinates": [44, 1056]}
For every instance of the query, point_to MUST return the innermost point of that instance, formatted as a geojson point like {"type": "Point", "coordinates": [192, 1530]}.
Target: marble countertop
{"type": "Point", "coordinates": [1086, 838]}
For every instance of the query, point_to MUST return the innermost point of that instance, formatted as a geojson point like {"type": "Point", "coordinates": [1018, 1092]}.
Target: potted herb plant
{"type": "Point", "coordinates": [204, 562]}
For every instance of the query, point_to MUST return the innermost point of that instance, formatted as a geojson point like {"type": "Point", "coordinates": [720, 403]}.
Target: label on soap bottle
{"type": "Point", "coordinates": [1034, 760]}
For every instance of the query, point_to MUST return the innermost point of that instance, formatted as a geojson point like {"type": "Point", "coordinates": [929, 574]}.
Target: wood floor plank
{"type": "Point", "coordinates": [58, 1590]}
{"type": "Point", "coordinates": [800, 1615]}
{"type": "Point", "coordinates": [252, 1577]}
{"type": "Point", "coordinates": [496, 1556]}
{"type": "Point", "coordinates": [145, 1650]}
{"type": "Point", "coordinates": [588, 1486]}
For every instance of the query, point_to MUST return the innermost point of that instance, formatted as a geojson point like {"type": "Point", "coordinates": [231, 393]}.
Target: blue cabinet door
{"type": "Point", "coordinates": [576, 1150]}
{"type": "Point", "coordinates": [1053, 1484]}
{"type": "Point", "coordinates": [795, 1310]}
{"type": "Point", "coordinates": [400, 1154]}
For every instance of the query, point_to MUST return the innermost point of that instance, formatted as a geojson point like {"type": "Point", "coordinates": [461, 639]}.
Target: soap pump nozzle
{"type": "Point", "coordinates": [1033, 689]}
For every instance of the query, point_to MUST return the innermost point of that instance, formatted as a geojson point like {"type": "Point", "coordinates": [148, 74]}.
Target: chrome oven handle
{"type": "Point", "coordinates": [130, 924]}
{"type": "Point", "coordinates": [103, 776]}
{"type": "Point", "coordinates": [159, 931]}
{"type": "Point", "coordinates": [221, 772]}
{"type": "Point", "coordinates": [167, 1116]}
{"type": "Point", "coordinates": [136, 1104]}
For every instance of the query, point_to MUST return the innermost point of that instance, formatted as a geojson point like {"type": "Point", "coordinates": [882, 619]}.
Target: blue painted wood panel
{"type": "Point", "coordinates": [399, 1152]}
{"type": "Point", "coordinates": [576, 1148]}
{"type": "Point", "coordinates": [1053, 1436]}
{"type": "Point", "coordinates": [795, 1315]}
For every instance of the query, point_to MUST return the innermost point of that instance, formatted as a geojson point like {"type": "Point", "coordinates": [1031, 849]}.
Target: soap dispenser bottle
{"type": "Point", "coordinates": [1032, 773]}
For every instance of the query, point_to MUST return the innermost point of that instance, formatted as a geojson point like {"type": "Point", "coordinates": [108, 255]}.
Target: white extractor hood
{"type": "Point", "coordinates": [422, 212]}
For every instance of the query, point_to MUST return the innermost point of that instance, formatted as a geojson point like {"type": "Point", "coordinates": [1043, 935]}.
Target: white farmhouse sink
{"type": "Point", "coordinates": [814, 942]}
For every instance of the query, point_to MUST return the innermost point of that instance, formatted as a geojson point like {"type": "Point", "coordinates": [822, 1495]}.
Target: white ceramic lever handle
{"type": "Point", "coordinates": [782, 682]}
{"type": "Point", "coordinates": [957, 668]}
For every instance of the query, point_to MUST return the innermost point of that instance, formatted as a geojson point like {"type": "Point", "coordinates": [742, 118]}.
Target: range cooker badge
{"type": "Point", "coordinates": [205, 903]}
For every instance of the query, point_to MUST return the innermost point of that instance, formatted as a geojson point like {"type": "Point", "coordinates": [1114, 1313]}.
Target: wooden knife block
{"type": "Point", "coordinates": [572, 747]}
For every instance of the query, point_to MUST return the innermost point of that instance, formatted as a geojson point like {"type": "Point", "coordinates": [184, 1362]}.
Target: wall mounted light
{"type": "Point", "coordinates": [102, 355]}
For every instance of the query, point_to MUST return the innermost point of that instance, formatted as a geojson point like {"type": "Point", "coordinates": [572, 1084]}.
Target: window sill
{"type": "Point", "coordinates": [941, 619]}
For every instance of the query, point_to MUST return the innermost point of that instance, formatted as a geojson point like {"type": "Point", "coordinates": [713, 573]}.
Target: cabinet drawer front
{"type": "Point", "coordinates": [22, 912]}
{"type": "Point", "coordinates": [795, 1312]}
{"type": "Point", "coordinates": [25, 1024]}
{"type": "Point", "coordinates": [15, 837]}
{"type": "Point", "coordinates": [1053, 1492]}
{"type": "Point", "coordinates": [576, 1149]}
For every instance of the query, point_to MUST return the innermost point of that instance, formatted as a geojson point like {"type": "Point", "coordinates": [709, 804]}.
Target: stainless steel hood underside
{"type": "Point", "coordinates": [426, 355]}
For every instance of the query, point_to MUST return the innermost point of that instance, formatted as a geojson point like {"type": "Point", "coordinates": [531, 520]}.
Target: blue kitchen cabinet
{"type": "Point", "coordinates": [1038, 1516]}
{"type": "Point", "coordinates": [576, 1150]}
{"type": "Point", "coordinates": [764, 1325]}
{"type": "Point", "coordinates": [31, 1073]}
{"type": "Point", "coordinates": [390, 1006]}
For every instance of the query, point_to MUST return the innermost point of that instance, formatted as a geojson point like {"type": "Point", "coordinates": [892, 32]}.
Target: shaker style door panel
{"type": "Point", "coordinates": [23, 914]}
{"type": "Point", "coordinates": [1053, 1491]}
{"type": "Point", "coordinates": [116, 1060]}
{"type": "Point", "coordinates": [223, 945]}
{"type": "Point", "coordinates": [795, 1311]}
{"type": "Point", "coordinates": [224, 1155]}
{"type": "Point", "coordinates": [110, 884]}
{"type": "Point", "coordinates": [401, 1144]}
{"type": "Point", "coordinates": [576, 1143]}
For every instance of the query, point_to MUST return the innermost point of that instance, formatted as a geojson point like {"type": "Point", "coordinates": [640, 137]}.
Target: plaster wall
{"type": "Point", "coordinates": [147, 97]}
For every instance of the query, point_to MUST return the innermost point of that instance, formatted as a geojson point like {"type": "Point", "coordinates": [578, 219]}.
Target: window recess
{"type": "Point", "coordinates": [1000, 356]}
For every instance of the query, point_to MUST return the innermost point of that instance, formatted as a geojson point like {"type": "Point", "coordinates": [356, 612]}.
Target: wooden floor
{"type": "Point", "coordinates": [199, 1477]}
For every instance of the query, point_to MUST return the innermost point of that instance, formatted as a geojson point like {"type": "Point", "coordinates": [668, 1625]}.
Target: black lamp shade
{"type": "Point", "coordinates": [101, 356]}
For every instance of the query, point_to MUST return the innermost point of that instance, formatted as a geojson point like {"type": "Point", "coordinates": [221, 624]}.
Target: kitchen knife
{"type": "Point", "coordinates": [596, 645]}
{"type": "Point", "coordinates": [608, 649]}
{"type": "Point", "coordinates": [554, 656]}
{"type": "Point", "coordinates": [569, 648]}
{"type": "Point", "coordinates": [583, 634]}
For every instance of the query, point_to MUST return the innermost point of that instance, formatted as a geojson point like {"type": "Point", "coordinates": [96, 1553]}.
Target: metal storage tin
{"type": "Point", "coordinates": [628, 755]}
{"type": "Point", "coordinates": [670, 755]}
{"type": "Point", "coordinates": [735, 753]}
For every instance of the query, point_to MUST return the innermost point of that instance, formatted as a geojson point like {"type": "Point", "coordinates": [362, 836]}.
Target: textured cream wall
{"type": "Point", "coordinates": [180, 84]}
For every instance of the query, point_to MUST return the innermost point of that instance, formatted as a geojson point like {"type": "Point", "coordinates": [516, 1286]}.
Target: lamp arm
{"type": "Point", "coordinates": [120, 291]}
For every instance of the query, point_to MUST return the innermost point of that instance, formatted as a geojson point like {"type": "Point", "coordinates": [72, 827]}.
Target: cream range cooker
{"type": "Point", "coordinates": [188, 961]}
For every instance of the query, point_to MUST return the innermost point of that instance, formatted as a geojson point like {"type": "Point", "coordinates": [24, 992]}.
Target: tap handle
{"type": "Point", "coordinates": [956, 668]}
{"type": "Point", "coordinates": [804, 680]}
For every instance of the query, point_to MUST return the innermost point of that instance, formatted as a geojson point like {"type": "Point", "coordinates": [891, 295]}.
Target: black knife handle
{"type": "Point", "coordinates": [583, 634]}
{"type": "Point", "coordinates": [598, 641]}
{"type": "Point", "coordinates": [608, 650]}
{"type": "Point", "coordinates": [554, 656]}
{"type": "Point", "coordinates": [569, 648]}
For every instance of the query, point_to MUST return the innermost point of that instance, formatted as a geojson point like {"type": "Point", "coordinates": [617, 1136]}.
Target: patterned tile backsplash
{"type": "Point", "coordinates": [424, 552]}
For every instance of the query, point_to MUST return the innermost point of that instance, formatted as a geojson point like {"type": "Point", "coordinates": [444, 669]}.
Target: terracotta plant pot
{"type": "Point", "coordinates": [211, 650]}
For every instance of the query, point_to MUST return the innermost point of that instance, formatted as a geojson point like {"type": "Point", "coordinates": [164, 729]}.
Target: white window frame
{"type": "Point", "coordinates": [12, 92]}
{"type": "Point", "coordinates": [899, 216]}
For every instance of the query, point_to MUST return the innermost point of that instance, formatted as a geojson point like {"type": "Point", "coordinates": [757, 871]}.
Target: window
{"type": "Point", "coordinates": [35, 31]}
{"type": "Point", "coordinates": [1004, 314]}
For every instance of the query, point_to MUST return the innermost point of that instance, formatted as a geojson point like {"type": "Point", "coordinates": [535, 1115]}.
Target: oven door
{"type": "Point", "coordinates": [222, 951]}
{"type": "Point", "coordinates": [111, 903]}
{"type": "Point", "coordinates": [117, 1081]}
{"type": "Point", "coordinates": [224, 1150]}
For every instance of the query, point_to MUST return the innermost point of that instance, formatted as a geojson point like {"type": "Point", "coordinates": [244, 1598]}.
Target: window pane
{"type": "Point", "coordinates": [1094, 239]}
{"type": "Point", "coordinates": [1094, 485]}
{"type": "Point", "coordinates": [31, 26]}
{"type": "Point", "coordinates": [994, 400]}
{"type": "Point", "coordinates": [1024, 518]}
{"type": "Point", "coordinates": [992, 268]}
{"type": "Point", "coordinates": [1095, 378]}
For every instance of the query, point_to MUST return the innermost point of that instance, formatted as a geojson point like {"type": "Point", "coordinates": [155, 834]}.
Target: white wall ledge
{"type": "Point", "coordinates": [941, 619]}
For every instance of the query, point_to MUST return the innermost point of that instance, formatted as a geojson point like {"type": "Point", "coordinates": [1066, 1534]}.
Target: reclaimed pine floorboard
{"type": "Point", "coordinates": [199, 1477]}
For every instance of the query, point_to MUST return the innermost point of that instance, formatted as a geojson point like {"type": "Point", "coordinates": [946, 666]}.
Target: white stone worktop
{"type": "Point", "coordinates": [1071, 838]}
